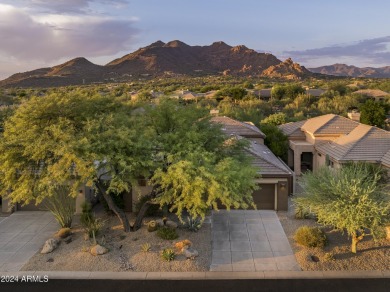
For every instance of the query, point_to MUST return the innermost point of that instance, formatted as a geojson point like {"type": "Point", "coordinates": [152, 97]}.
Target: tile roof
{"type": "Point", "coordinates": [323, 125]}
{"type": "Point", "coordinates": [293, 129]}
{"type": "Point", "coordinates": [364, 143]}
{"type": "Point", "coordinates": [233, 127]}
{"type": "Point", "coordinates": [267, 161]}
{"type": "Point", "coordinates": [386, 159]}
{"type": "Point", "coordinates": [372, 92]}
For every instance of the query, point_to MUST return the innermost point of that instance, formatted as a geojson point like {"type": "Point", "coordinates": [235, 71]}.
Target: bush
{"type": "Point", "coordinates": [310, 237]}
{"type": "Point", "coordinates": [91, 224]}
{"type": "Point", "coordinates": [193, 224]}
{"type": "Point", "coordinates": [167, 233]}
{"type": "Point", "coordinates": [153, 209]}
{"type": "Point", "coordinates": [146, 247]}
{"type": "Point", "coordinates": [61, 205]}
{"type": "Point", "coordinates": [168, 254]}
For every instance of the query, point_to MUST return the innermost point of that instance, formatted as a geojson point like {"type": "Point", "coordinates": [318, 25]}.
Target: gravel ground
{"type": "Point", "coordinates": [124, 251]}
{"type": "Point", "coordinates": [371, 255]}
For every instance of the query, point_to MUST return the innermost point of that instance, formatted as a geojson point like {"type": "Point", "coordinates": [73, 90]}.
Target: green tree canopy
{"type": "Point", "coordinates": [275, 119]}
{"type": "Point", "coordinates": [275, 139]}
{"type": "Point", "coordinates": [351, 199]}
{"type": "Point", "coordinates": [373, 113]}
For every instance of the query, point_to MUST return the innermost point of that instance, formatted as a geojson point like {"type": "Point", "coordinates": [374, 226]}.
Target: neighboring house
{"type": "Point", "coordinates": [276, 181]}
{"type": "Point", "coordinates": [333, 140]}
{"type": "Point", "coordinates": [374, 94]}
{"type": "Point", "coordinates": [315, 92]}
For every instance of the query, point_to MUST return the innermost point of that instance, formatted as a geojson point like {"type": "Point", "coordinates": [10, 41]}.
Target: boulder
{"type": "Point", "coordinates": [171, 224]}
{"type": "Point", "coordinates": [63, 233]}
{"type": "Point", "coordinates": [98, 250]}
{"type": "Point", "coordinates": [190, 253]}
{"type": "Point", "coordinates": [160, 222]}
{"type": "Point", "coordinates": [50, 245]}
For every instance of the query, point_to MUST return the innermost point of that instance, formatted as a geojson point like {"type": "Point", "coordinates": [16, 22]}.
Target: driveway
{"type": "Point", "coordinates": [22, 234]}
{"type": "Point", "coordinates": [250, 240]}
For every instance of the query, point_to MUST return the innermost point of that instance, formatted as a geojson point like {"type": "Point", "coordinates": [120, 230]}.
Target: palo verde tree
{"type": "Point", "coordinates": [351, 199]}
{"type": "Point", "coordinates": [198, 168]}
{"type": "Point", "coordinates": [71, 140]}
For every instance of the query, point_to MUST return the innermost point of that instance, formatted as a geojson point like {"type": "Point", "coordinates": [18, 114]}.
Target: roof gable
{"type": "Point", "coordinates": [233, 127]}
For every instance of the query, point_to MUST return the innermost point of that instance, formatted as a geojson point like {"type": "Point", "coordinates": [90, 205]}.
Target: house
{"type": "Point", "coordinates": [374, 94]}
{"type": "Point", "coordinates": [334, 140]}
{"type": "Point", "coordinates": [315, 92]}
{"type": "Point", "coordinates": [276, 181]}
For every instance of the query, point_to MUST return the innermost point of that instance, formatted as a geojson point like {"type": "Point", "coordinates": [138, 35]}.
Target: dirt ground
{"type": "Point", "coordinates": [124, 251]}
{"type": "Point", "coordinates": [336, 255]}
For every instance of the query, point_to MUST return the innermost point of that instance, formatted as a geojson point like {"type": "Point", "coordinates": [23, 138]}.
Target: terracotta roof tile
{"type": "Point", "coordinates": [233, 127]}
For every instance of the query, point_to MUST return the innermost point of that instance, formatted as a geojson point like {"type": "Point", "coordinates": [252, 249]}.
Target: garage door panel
{"type": "Point", "coordinates": [264, 198]}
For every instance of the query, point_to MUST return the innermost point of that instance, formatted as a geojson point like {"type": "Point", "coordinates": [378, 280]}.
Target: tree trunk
{"type": "Point", "coordinates": [140, 216]}
{"type": "Point", "coordinates": [355, 240]}
{"type": "Point", "coordinates": [142, 211]}
{"type": "Point", "coordinates": [114, 208]}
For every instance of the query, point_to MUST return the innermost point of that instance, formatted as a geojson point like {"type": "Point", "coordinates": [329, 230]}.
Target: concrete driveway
{"type": "Point", "coordinates": [22, 234]}
{"type": "Point", "coordinates": [250, 240]}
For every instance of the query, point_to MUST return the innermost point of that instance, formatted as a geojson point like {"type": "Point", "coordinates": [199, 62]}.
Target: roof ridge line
{"type": "Point", "coordinates": [357, 141]}
{"type": "Point", "coordinates": [270, 162]}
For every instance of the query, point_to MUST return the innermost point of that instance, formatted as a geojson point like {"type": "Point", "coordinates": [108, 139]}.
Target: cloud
{"type": "Point", "coordinates": [373, 51]}
{"type": "Point", "coordinates": [71, 6]}
{"type": "Point", "coordinates": [51, 37]}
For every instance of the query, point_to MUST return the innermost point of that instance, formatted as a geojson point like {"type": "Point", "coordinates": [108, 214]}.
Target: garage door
{"type": "Point", "coordinates": [264, 198]}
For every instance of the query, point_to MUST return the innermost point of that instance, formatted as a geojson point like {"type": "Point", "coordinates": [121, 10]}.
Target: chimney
{"type": "Point", "coordinates": [354, 115]}
{"type": "Point", "coordinates": [214, 112]}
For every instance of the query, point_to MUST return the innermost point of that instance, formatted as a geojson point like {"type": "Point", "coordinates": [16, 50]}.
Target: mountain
{"type": "Point", "coordinates": [287, 69]}
{"type": "Point", "coordinates": [353, 71]}
{"type": "Point", "coordinates": [174, 58]}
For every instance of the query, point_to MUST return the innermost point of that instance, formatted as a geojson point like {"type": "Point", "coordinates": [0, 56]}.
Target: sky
{"type": "Point", "coordinates": [43, 33]}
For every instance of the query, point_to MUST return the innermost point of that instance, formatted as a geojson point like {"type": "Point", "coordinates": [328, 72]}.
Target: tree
{"type": "Point", "coordinates": [275, 119]}
{"type": "Point", "coordinates": [373, 113]}
{"type": "Point", "coordinates": [71, 140]}
{"type": "Point", "coordinates": [198, 169]}
{"type": "Point", "coordinates": [351, 199]}
{"type": "Point", "coordinates": [275, 140]}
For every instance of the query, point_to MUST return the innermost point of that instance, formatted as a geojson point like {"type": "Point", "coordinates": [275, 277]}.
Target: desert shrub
{"type": "Point", "coordinates": [146, 247]}
{"type": "Point", "coordinates": [153, 210]}
{"type": "Point", "coordinates": [61, 205]}
{"type": "Point", "coordinates": [168, 254]}
{"type": "Point", "coordinates": [193, 224]}
{"type": "Point", "coordinates": [91, 224]}
{"type": "Point", "coordinates": [167, 233]}
{"type": "Point", "coordinates": [310, 237]}
{"type": "Point", "coordinates": [301, 212]}
{"type": "Point", "coordinates": [328, 257]}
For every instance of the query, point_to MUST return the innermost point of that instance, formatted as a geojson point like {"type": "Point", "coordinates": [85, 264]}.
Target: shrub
{"type": "Point", "coordinates": [310, 237]}
{"type": "Point", "coordinates": [91, 224]}
{"type": "Point", "coordinates": [61, 205]}
{"type": "Point", "coordinates": [168, 254]}
{"type": "Point", "coordinates": [193, 224]}
{"type": "Point", "coordinates": [146, 247]}
{"type": "Point", "coordinates": [167, 233]}
{"type": "Point", "coordinates": [301, 212]}
{"type": "Point", "coordinates": [328, 257]}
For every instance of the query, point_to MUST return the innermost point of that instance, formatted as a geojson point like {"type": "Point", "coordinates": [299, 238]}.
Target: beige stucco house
{"type": "Point", "coordinates": [276, 178]}
{"type": "Point", "coordinates": [333, 140]}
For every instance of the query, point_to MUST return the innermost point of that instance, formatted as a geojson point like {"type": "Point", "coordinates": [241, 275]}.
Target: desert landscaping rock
{"type": "Point", "coordinates": [160, 222]}
{"type": "Point", "coordinates": [171, 224]}
{"type": "Point", "coordinates": [190, 253]}
{"type": "Point", "coordinates": [76, 256]}
{"type": "Point", "coordinates": [50, 245]}
{"type": "Point", "coordinates": [98, 250]}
